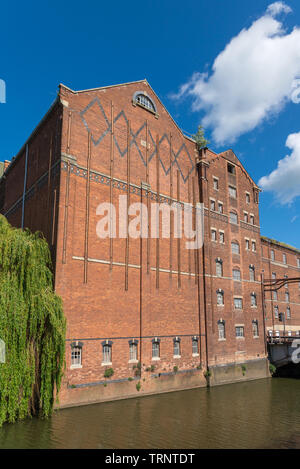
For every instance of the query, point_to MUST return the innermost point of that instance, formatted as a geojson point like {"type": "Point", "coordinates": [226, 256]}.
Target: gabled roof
{"type": "Point", "coordinates": [227, 153]}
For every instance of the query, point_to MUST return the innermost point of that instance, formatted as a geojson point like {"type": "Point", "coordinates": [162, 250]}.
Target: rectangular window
{"type": "Point", "coordinates": [232, 192]}
{"type": "Point", "coordinates": [213, 235]}
{"type": "Point", "coordinates": [272, 255]}
{"type": "Point", "coordinates": [275, 296]}
{"type": "Point", "coordinates": [233, 218]}
{"type": "Point", "coordinates": [253, 299]}
{"type": "Point", "coordinates": [284, 258]}
{"type": "Point", "coordinates": [235, 248]}
{"type": "Point", "coordinates": [219, 269]}
{"type": "Point", "coordinates": [287, 297]}
{"type": "Point", "coordinates": [176, 348]}
{"type": "Point", "coordinates": [76, 357]}
{"type": "Point", "coordinates": [236, 273]}
{"type": "Point", "coordinates": [238, 303]}
{"type": "Point", "coordinates": [273, 276]}
{"type": "Point", "coordinates": [133, 352]}
{"type": "Point", "coordinates": [247, 244]}
{"type": "Point", "coordinates": [239, 331]}
{"type": "Point", "coordinates": [288, 313]}
{"type": "Point", "coordinates": [221, 330]}
{"type": "Point", "coordinates": [195, 347]}
{"type": "Point", "coordinates": [298, 262]}
{"type": "Point", "coordinates": [220, 207]}
{"type": "Point", "coordinates": [155, 349]}
{"type": "Point", "coordinates": [106, 353]}
{"type": "Point", "coordinates": [247, 198]}
{"type": "Point", "coordinates": [252, 274]}
{"type": "Point", "coordinates": [252, 219]}
{"type": "Point", "coordinates": [230, 168]}
{"type": "Point", "coordinates": [246, 217]}
{"type": "Point", "coordinates": [253, 246]}
{"type": "Point", "coordinates": [222, 237]}
{"type": "Point", "coordinates": [216, 184]}
{"type": "Point", "coordinates": [255, 328]}
{"type": "Point", "coordinates": [276, 312]}
{"type": "Point", "coordinates": [212, 205]}
{"type": "Point", "coordinates": [220, 298]}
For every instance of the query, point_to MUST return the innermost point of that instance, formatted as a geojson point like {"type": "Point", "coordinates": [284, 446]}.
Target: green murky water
{"type": "Point", "coordinates": [257, 414]}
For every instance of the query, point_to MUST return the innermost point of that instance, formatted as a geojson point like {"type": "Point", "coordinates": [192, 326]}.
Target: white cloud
{"type": "Point", "coordinates": [284, 181]}
{"type": "Point", "coordinates": [278, 7]}
{"type": "Point", "coordinates": [251, 79]}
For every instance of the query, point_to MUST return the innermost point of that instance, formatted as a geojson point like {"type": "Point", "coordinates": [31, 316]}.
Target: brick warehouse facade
{"type": "Point", "coordinates": [156, 313]}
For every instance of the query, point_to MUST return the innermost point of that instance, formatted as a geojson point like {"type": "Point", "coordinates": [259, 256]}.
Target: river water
{"type": "Point", "coordinates": [256, 414]}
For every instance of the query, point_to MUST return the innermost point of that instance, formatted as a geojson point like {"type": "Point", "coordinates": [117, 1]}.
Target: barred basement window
{"type": "Point", "coordinates": [106, 353]}
{"type": "Point", "coordinates": [76, 357]}
{"type": "Point", "coordinates": [255, 328]}
{"type": "Point", "coordinates": [221, 329]}
{"type": "Point", "coordinates": [176, 348]}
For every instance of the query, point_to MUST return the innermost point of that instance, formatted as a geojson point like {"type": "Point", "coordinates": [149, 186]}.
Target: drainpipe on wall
{"type": "Point", "coordinates": [25, 184]}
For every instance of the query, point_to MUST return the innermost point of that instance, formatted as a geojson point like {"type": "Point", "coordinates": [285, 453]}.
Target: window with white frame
{"type": "Point", "coordinates": [253, 299]}
{"type": "Point", "coordinates": [238, 303]}
{"type": "Point", "coordinates": [247, 243]}
{"type": "Point", "coordinates": [222, 237]}
{"type": "Point", "coordinates": [253, 246]}
{"type": "Point", "coordinates": [76, 356]}
{"type": "Point", "coordinates": [133, 349]}
{"type": "Point", "coordinates": [232, 192]}
{"type": "Point", "coordinates": [195, 346]}
{"type": "Point", "coordinates": [220, 297]}
{"type": "Point", "coordinates": [252, 219]}
{"type": "Point", "coordinates": [255, 328]}
{"type": "Point", "coordinates": [220, 207]}
{"type": "Point", "coordinates": [176, 349]}
{"type": "Point", "coordinates": [221, 330]}
{"type": "Point", "coordinates": [236, 274]}
{"type": "Point", "coordinates": [106, 353]}
{"type": "Point", "coordinates": [235, 247]}
{"type": "Point", "coordinates": [219, 268]}
{"type": "Point", "coordinates": [144, 101]}
{"type": "Point", "coordinates": [155, 349]}
{"type": "Point", "coordinates": [239, 331]}
{"type": "Point", "coordinates": [212, 205]}
{"type": "Point", "coordinates": [252, 273]}
{"type": "Point", "coordinates": [233, 218]}
{"type": "Point", "coordinates": [213, 235]}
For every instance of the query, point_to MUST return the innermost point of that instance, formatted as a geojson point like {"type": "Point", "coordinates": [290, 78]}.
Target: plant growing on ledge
{"type": "Point", "coordinates": [199, 138]}
{"type": "Point", "coordinates": [272, 368]}
{"type": "Point", "coordinates": [138, 386]}
{"type": "Point", "coordinates": [175, 369]}
{"type": "Point", "coordinates": [108, 372]}
{"type": "Point", "coordinates": [244, 368]}
{"type": "Point", "coordinates": [32, 326]}
{"type": "Point", "coordinates": [207, 374]}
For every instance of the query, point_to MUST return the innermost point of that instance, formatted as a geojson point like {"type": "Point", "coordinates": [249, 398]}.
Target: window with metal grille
{"type": "Point", "coordinates": [76, 356]}
{"type": "Point", "coordinates": [133, 351]}
{"type": "Point", "coordinates": [239, 331]}
{"type": "Point", "coordinates": [221, 329]}
{"type": "Point", "coordinates": [145, 101]}
{"type": "Point", "coordinates": [106, 352]}
{"type": "Point", "coordinates": [155, 349]}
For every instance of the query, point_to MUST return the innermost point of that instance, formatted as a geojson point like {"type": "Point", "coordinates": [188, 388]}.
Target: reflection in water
{"type": "Point", "coordinates": [257, 414]}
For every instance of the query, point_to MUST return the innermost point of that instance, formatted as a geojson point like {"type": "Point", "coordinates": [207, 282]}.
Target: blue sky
{"type": "Point", "coordinates": [174, 44]}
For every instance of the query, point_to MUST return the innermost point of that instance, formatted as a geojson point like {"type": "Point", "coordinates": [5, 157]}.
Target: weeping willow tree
{"type": "Point", "coordinates": [32, 326]}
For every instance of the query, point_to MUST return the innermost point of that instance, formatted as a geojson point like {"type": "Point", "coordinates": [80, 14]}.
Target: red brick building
{"type": "Point", "coordinates": [156, 313]}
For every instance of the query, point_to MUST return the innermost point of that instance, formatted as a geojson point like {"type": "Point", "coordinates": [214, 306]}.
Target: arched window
{"type": "Point", "coordinates": [143, 100]}
{"type": "Point", "coordinates": [219, 267]}
{"type": "Point", "coordinates": [221, 329]}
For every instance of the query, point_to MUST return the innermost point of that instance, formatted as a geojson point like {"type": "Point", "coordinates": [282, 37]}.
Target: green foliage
{"type": "Point", "coordinates": [175, 369]}
{"type": "Point", "coordinates": [199, 138]}
{"type": "Point", "coordinates": [108, 372]}
{"type": "Point", "coordinates": [272, 368]}
{"type": "Point", "coordinates": [130, 379]}
{"type": "Point", "coordinates": [244, 368]}
{"type": "Point", "coordinates": [32, 325]}
{"type": "Point", "coordinates": [207, 373]}
{"type": "Point", "coordinates": [152, 368]}
{"type": "Point", "coordinates": [138, 386]}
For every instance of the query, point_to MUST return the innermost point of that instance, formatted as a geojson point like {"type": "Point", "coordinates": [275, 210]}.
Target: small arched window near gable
{"type": "Point", "coordinates": [142, 99]}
